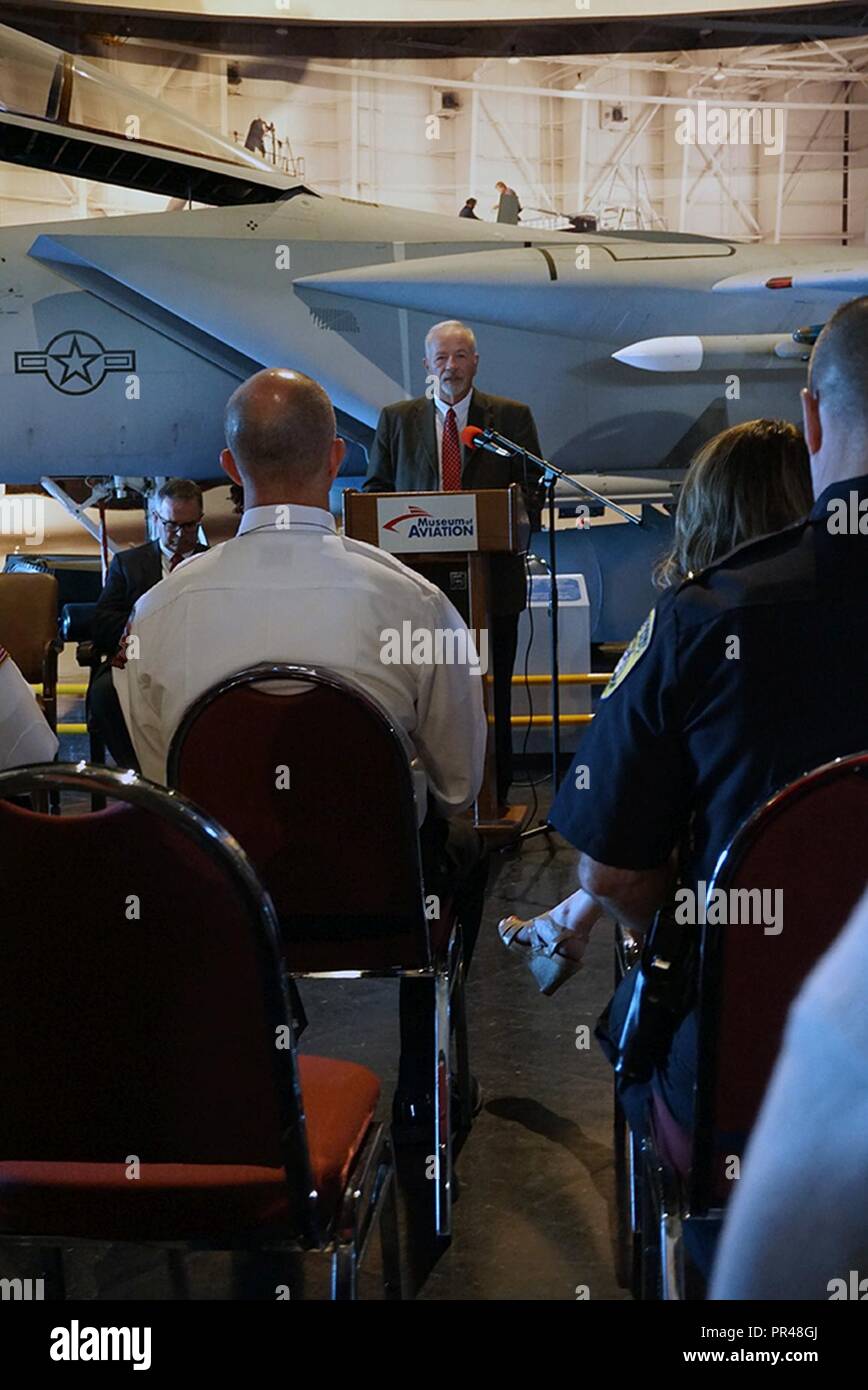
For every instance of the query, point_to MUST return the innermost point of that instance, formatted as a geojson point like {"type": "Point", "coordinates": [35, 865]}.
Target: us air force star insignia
{"type": "Point", "coordinates": [76, 362]}
{"type": "Point", "coordinates": [639, 644]}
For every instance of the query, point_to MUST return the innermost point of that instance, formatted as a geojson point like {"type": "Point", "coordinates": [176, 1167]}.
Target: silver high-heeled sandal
{"type": "Point", "coordinates": [548, 967]}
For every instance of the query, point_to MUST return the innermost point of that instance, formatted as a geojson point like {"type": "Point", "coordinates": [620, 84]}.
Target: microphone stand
{"type": "Point", "coordinates": [553, 474]}
{"type": "Point", "coordinates": [499, 444]}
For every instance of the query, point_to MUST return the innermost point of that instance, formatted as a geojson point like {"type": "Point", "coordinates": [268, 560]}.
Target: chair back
{"type": "Point", "coordinates": [28, 620]}
{"type": "Point", "coordinates": [804, 856]}
{"type": "Point", "coordinates": [76, 622]}
{"type": "Point", "coordinates": [141, 990]}
{"type": "Point", "coordinates": [312, 778]}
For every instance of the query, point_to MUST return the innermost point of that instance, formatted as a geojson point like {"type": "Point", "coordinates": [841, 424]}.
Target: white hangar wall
{"type": "Point", "coordinates": [573, 134]}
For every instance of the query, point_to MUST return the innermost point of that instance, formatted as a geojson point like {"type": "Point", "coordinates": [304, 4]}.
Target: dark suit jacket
{"type": "Point", "coordinates": [131, 574]}
{"type": "Point", "coordinates": [403, 458]}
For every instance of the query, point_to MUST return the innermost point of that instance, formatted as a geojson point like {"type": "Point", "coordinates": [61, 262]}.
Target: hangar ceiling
{"type": "Point", "coordinates": [593, 26]}
{"type": "Point", "coordinates": [590, 134]}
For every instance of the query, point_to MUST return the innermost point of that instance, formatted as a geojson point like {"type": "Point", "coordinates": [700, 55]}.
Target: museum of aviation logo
{"type": "Point", "coordinates": [417, 524]}
{"type": "Point", "coordinates": [75, 362]}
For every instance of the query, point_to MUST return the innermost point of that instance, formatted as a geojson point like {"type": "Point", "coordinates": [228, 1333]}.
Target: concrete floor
{"type": "Point", "coordinates": [534, 1217]}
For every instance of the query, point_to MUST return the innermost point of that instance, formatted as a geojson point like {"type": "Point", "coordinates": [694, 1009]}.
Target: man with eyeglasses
{"type": "Point", "coordinates": [177, 511]}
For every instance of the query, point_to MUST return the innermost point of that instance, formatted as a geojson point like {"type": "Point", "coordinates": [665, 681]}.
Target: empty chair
{"type": "Point", "coordinates": [150, 1090]}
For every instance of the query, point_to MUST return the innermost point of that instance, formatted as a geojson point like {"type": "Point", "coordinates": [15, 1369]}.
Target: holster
{"type": "Point", "coordinates": [663, 995]}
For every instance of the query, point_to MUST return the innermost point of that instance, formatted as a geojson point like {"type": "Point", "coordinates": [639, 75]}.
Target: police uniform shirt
{"type": "Point", "coordinates": [743, 677]}
{"type": "Point", "coordinates": [24, 733]}
{"type": "Point", "coordinates": [288, 588]}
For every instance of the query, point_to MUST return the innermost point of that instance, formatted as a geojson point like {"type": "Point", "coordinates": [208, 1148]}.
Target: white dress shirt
{"type": "Point", "coordinates": [462, 410]}
{"type": "Point", "coordinates": [24, 733]}
{"type": "Point", "coordinates": [288, 588]}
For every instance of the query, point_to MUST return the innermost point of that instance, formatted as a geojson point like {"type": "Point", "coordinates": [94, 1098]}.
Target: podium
{"type": "Point", "coordinates": [464, 531]}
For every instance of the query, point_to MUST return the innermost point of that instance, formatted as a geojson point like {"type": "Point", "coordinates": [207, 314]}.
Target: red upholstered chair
{"type": "Point", "coordinates": [810, 841]}
{"type": "Point", "coordinates": [145, 1023]}
{"type": "Point", "coordinates": [317, 787]}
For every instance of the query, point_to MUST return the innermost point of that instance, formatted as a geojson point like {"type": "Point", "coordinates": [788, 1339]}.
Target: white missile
{"type": "Point", "coordinates": [690, 353]}
{"type": "Point", "coordinates": [663, 355]}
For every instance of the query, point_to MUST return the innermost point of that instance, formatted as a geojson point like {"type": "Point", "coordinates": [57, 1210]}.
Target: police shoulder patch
{"type": "Point", "coordinates": [634, 651]}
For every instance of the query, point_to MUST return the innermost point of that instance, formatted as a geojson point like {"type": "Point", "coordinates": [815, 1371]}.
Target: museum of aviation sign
{"type": "Point", "coordinates": [446, 522]}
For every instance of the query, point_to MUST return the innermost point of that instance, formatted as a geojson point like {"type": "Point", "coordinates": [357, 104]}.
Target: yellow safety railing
{"type": "Point", "coordinates": [63, 688]}
{"type": "Point", "coordinates": [519, 719]}
{"type": "Point", "coordinates": [78, 688]}
{"type": "Point", "coordinates": [580, 678]}
{"type": "Point", "coordinates": [583, 678]}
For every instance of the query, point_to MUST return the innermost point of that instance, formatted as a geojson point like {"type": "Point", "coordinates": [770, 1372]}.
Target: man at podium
{"type": "Point", "coordinates": [418, 448]}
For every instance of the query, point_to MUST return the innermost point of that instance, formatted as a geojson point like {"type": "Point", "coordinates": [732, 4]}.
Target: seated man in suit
{"type": "Point", "coordinates": [418, 448]}
{"type": "Point", "coordinates": [288, 588]}
{"type": "Point", "coordinates": [178, 515]}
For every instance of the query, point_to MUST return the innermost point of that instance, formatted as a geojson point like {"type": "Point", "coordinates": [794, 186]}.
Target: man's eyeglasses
{"type": "Point", "coordinates": [189, 527]}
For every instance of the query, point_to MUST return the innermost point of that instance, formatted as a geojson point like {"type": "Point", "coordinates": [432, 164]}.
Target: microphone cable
{"type": "Point", "coordinates": [530, 782]}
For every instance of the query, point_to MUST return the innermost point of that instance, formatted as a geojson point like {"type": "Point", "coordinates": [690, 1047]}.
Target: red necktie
{"type": "Point", "coordinates": [451, 454]}
{"type": "Point", "coordinates": [175, 560]}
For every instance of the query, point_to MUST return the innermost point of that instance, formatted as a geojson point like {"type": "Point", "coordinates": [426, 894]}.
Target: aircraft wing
{"type": "Point", "coordinates": [66, 115]}
{"type": "Point", "coordinates": [621, 487]}
{"type": "Point", "coordinates": [846, 279]}
{"type": "Point", "coordinates": [152, 168]}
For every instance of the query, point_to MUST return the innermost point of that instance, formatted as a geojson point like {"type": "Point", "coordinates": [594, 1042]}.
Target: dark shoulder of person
{"type": "Point", "coordinates": [132, 553]}
{"type": "Point", "coordinates": [504, 404]}
{"type": "Point", "coordinates": [398, 410]}
{"type": "Point", "coordinates": [771, 569]}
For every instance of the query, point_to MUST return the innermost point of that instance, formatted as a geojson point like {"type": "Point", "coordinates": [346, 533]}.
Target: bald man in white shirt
{"type": "Point", "coordinates": [288, 588]}
{"type": "Point", "coordinates": [24, 733]}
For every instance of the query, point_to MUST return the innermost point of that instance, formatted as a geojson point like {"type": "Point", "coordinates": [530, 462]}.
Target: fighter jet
{"type": "Point", "coordinates": [121, 339]}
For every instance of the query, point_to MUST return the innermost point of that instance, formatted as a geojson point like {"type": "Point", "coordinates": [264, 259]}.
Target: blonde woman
{"type": "Point", "coordinates": [746, 482]}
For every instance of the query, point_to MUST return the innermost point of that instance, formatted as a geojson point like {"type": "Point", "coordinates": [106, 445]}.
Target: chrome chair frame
{"type": "Point", "coordinates": [446, 973]}
{"type": "Point", "coordinates": [369, 1196]}
{"type": "Point", "coordinates": [628, 1159]}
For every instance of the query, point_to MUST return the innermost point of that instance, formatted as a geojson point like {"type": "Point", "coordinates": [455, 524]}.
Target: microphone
{"type": "Point", "coordinates": [495, 443]}
{"type": "Point", "coordinates": [472, 437]}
